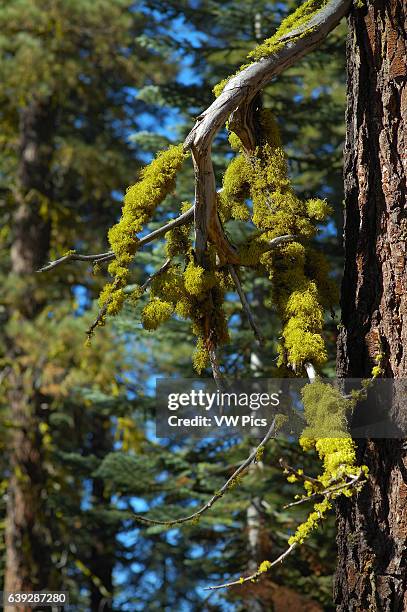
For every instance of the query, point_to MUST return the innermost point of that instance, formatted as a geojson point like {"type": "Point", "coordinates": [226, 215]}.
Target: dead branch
{"type": "Point", "coordinates": [327, 492]}
{"type": "Point", "coordinates": [240, 90]}
{"type": "Point", "coordinates": [251, 458]}
{"type": "Point", "coordinates": [245, 304]}
{"type": "Point", "coordinates": [183, 219]}
{"type": "Point", "coordinates": [299, 475]}
{"type": "Point", "coordinates": [257, 574]}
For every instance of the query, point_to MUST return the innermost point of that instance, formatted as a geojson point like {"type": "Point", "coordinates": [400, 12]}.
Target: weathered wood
{"type": "Point", "coordinates": [240, 90]}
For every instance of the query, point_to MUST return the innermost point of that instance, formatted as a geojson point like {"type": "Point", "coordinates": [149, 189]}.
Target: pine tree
{"type": "Point", "coordinates": [68, 73]}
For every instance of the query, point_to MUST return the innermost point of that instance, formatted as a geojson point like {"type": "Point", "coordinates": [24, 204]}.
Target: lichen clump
{"type": "Point", "coordinates": [326, 412]}
{"type": "Point", "coordinates": [195, 294]}
{"type": "Point", "coordinates": [296, 270]}
{"type": "Point", "coordinates": [157, 180]}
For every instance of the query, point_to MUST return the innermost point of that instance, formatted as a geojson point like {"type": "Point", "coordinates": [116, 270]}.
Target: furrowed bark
{"type": "Point", "coordinates": [28, 541]}
{"type": "Point", "coordinates": [372, 527]}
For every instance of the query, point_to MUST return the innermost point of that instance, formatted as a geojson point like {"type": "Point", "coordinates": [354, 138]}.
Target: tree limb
{"type": "Point", "coordinates": [241, 89]}
{"type": "Point", "coordinates": [109, 255]}
{"type": "Point", "coordinates": [255, 575]}
{"type": "Point", "coordinates": [245, 304]}
{"type": "Point", "coordinates": [251, 458]}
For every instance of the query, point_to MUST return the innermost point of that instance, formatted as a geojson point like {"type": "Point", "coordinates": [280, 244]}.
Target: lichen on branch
{"type": "Point", "coordinates": [157, 180]}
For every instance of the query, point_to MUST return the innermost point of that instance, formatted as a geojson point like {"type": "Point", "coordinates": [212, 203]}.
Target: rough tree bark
{"type": "Point", "coordinates": [28, 562]}
{"type": "Point", "coordinates": [103, 537]}
{"type": "Point", "coordinates": [372, 528]}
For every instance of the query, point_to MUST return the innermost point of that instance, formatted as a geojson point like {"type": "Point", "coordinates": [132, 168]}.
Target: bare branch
{"type": "Point", "coordinates": [216, 371]}
{"type": "Point", "coordinates": [102, 312]}
{"type": "Point", "coordinates": [257, 574]}
{"type": "Point", "coordinates": [77, 257]}
{"type": "Point", "coordinates": [245, 304]}
{"type": "Point", "coordinates": [150, 279]}
{"type": "Point", "coordinates": [251, 458]}
{"type": "Point", "coordinates": [186, 217]}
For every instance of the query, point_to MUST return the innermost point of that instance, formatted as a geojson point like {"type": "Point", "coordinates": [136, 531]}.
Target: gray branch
{"type": "Point", "coordinates": [241, 89]}
{"type": "Point", "coordinates": [109, 255]}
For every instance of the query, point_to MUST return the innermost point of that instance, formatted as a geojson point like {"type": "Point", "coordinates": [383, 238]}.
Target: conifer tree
{"type": "Point", "coordinates": [301, 288]}
{"type": "Point", "coordinates": [68, 72]}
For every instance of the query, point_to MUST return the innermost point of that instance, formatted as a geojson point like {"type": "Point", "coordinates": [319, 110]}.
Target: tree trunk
{"type": "Point", "coordinates": [102, 535]}
{"type": "Point", "coordinates": [372, 527]}
{"type": "Point", "coordinates": [28, 545]}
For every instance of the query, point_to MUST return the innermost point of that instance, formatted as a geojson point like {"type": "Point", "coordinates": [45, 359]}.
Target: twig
{"type": "Point", "coordinates": [102, 312]}
{"type": "Point", "coordinates": [245, 304]}
{"type": "Point", "coordinates": [256, 574]}
{"type": "Point", "coordinates": [216, 371]}
{"type": "Point", "coordinates": [221, 491]}
{"type": "Point", "coordinates": [150, 279]}
{"type": "Point", "coordinates": [292, 470]}
{"type": "Point", "coordinates": [109, 255]}
{"type": "Point", "coordinates": [326, 492]}
{"type": "Point", "coordinates": [275, 242]}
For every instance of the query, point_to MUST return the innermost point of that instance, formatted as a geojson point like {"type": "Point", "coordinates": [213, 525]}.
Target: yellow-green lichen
{"type": "Point", "coordinates": [295, 20]}
{"type": "Point", "coordinates": [326, 411]}
{"type": "Point", "coordinates": [197, 280]}
{"type": "Point", "coordinates": [299, 18]}
{"type": "Point", "coordinates": [235, 190]}
{"type": "Point", "coordinates": [155, 313]}
{"type": "Point", "coordinates": [156, 181]}
{"type": "Point", "coordinates": [264, 566]}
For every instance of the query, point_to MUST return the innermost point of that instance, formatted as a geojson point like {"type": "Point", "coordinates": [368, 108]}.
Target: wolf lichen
{"type": "Point", "coordinates": [197, 280]}
{"type": "Point", "coordinates": [295, 20]}
{"type": "Point", "coordinates": [157, 180]}
{"type": "Point", "coordinates": [326, 411]}
{"type": "Point", "coordinates": [263, 178]}
{"type": "Point", "coordinates": [235, 190]}
{"type": "Point", "coordinates": [155, 313]}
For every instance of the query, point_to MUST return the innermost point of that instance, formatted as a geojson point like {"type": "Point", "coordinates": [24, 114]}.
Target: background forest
{"type": "Point", "coordinates": [89, 91]}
